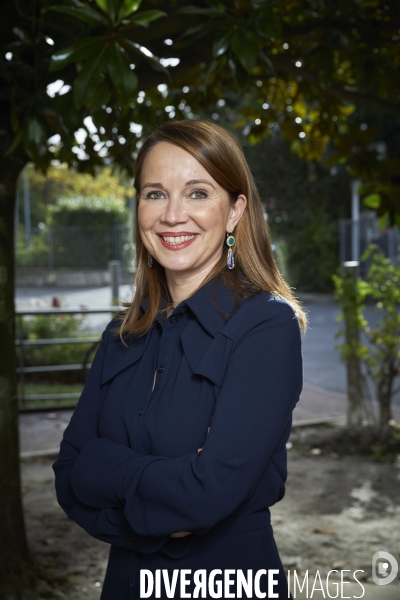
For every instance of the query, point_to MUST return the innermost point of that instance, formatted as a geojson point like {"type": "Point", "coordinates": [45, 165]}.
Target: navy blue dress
{"type": "Point", "coordinates": [136, 464]}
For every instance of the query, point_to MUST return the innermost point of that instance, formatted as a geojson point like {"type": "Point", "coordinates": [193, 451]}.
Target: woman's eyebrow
{"type": "Point", "coordinates": [196, 181]}
{"type": "Point", "coordinates": [188, 183]}
{"type": "Point", "coordinates": [157, 185]}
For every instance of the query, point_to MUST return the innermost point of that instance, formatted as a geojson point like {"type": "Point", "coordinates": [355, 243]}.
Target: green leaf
{"type": "Point", "coordinates": [89, 78]}
{"type": "Point", "coordinates": [127, 7]}
{"type": "Point", "coordinates": [145, 17]}
{"type": "Point", "coordinates": [123, 78]}
{"type": "Point", "coordinates": [100, 97]}
{"type": "Point", "coordinates": [268, 62]}
{"type": "Point", "coordinates": [83, 13]}
{"type": "Point", "coordinates": [220, 46]}
{"type": "Point", "coordinates": [382, 221]}
{"type": "Point", "coordinates": [155, 64]}
{"type": "Point", "coordinates": [109, 7]}
{"type": "Point", "coordinates": [195, 33]}
{"type": "Point", "coordinates": [207, 12]}
{"type": "Point", "coordinates": [34, 131]}
{"type": "Point", "coordinates": [152, 60]}
{"type": "Point", "coordinates": [372, 201]}
{"type": "Point", "coordinates": [132, 45]}
{"type": "Point", "coordinates": [14, 144]}
{"type": "Point", "coordinates": [82, 49]}
{"type": "Point", "coordinates": [245, 50]}
{"type": "Point", "coordinates": [268, 23]}
{"type": "Point", "coordinates": [239, 73]}
{"type": "Point", "coordinates": [212, 67]}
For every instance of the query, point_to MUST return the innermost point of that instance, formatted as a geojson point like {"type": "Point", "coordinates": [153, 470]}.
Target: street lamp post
{"type": "Point", "coordinates": [355, 219]}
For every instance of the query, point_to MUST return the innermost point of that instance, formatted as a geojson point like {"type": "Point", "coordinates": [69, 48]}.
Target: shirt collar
{"type": "Point", "coordinates": [203, 304]}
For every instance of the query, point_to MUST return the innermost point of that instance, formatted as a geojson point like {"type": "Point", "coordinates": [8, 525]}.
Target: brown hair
{"type": "Point", "coordinates": [255, 269]}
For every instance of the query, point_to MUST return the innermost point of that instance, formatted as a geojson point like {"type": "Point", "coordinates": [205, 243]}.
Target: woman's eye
{"type": "Point", "coordinates": [198, 194]}
{"type": "Point", "coordinates": [154, 195]}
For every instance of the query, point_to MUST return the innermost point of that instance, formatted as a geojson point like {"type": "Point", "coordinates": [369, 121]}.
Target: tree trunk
{"type": "Point", "coordinates": [16, 566]}
{"type": "Point", "coordinates": [355, 406]}
{"type": "Point", "coordinates": [385, 392]}
{"type": "Point", "coordinates": [354, 395]}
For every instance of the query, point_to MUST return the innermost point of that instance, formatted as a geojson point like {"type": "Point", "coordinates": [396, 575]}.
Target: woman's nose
{"type": "Point", "coordinates": [175, 211]}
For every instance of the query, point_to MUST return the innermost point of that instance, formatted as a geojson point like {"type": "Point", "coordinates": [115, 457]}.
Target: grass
{"type": "Point", "coordinates": [53, 388]}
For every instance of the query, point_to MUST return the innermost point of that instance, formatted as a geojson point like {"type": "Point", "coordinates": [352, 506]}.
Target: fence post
{"type": "Point", "coordinates": [114, 267]}
{"type": "Point", "coordinates": [21, 378]}
{"type": "Point", "coordinates": [51, 248]}
{"type": "Point", "coordinates": [27, 206]}
{"type": "Point", "coordinates": [352, 336]}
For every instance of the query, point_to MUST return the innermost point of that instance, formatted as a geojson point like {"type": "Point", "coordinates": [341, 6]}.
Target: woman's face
{"type": "Point", "coordinates": [183, 213]}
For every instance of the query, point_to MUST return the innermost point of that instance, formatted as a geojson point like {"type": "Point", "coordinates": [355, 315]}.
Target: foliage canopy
{"type": "Point", "coordinates": [318, 71]}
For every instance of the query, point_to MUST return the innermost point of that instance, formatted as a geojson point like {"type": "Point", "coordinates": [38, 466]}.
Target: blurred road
{"type": "Point", "coordinates": [78, 297]}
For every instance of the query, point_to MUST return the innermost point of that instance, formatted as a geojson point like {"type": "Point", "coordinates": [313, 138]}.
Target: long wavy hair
{"type": "Point", "coordinates": [218, 151]}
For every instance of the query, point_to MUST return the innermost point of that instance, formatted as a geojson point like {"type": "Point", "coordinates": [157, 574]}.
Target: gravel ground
{"type": "Point", "coordinates": [337, 512]}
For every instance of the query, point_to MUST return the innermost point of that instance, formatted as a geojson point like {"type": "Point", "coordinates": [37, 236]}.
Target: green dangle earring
{"type": "Point", "coordinates": [230, 240]}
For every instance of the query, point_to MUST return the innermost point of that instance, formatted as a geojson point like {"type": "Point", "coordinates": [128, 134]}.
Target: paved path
{"type": "Point", "coordinates": [324, 390]}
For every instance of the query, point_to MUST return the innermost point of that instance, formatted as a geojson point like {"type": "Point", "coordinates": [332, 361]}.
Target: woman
{"type": "Point", "coordinates": [177, 446]}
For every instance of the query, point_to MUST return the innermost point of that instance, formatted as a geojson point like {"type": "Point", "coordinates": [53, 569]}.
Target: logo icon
{"type": "Point", "coordinates": [381, 574]}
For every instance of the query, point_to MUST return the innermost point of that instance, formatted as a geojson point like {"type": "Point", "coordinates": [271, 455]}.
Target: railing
{"type": "Point", "coordinates": [30, 402]}
{"type": "Point", "coordinates": [356, 235]}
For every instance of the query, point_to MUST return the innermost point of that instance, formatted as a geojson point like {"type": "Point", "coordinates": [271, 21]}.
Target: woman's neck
{"type": "Point", "coordinates": [182, 285]}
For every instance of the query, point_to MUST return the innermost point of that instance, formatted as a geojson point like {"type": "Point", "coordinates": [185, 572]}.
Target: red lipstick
{"type": "Point", "coordinates": [175, 234]}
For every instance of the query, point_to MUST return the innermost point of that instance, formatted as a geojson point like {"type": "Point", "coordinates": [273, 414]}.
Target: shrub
{"type": "Point", "coordinates": [36, 255]}
{"type": "Point", "coordinates": [88, 211]}
{"type": "Point", "coordinates": [53, 327]}
{"type": "Point", "coordinates": [379, 352]}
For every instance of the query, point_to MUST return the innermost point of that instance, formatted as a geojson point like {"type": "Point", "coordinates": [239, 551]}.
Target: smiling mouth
{"type": "Point", "coordinates": [176, 240]}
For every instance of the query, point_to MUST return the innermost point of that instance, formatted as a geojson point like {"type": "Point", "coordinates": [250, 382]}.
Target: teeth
{"type": "Point", "coordinates": [177, 240]}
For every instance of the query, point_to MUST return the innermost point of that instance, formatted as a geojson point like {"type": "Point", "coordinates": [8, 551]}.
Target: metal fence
{"type": "Point", "coordinates": [356, 235]}
{"type": "Point", "coordinates": [76, 248]}
{"type": "Point", "coordinates": [53, 400]}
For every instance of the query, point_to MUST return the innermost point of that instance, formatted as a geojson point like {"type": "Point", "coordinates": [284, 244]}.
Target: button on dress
{"type": "Point", "coordinates": [185, 429]}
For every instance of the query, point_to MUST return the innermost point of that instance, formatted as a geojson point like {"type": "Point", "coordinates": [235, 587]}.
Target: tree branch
{"type": "Point", "coordinates": [286, 66]}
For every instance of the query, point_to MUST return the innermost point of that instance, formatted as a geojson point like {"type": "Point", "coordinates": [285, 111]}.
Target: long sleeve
{"type": "Point", "coordinates": [106, 523]}
{"type": "Point", "coordinates": [193, 492]}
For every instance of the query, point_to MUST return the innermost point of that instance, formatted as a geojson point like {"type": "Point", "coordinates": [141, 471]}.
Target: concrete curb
{"type": "Point", "coordinates": [66, 278]}
{"type": "Point", "coordinates": [52, 452]}
{"type": "Point", "coordinates": [340, 420]}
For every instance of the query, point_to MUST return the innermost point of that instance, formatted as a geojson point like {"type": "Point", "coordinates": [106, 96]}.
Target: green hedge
{"type": "Point", "coordinates": [88, 211]}
{"type": "Point", "coordinates": [52, 327]}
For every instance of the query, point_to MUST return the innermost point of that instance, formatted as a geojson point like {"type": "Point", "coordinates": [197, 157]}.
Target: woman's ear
{"type": "Point", "coordinates": [236, 212]}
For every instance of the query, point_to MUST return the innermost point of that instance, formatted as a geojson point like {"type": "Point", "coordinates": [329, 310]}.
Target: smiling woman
{"type": "Point", "coordinates": [177, 447]}
{"type": "Point", "coordinates": [209, 183]}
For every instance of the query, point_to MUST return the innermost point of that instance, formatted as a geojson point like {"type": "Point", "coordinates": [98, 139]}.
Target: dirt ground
{"type": "Point", "coordinates": [337, 512]}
